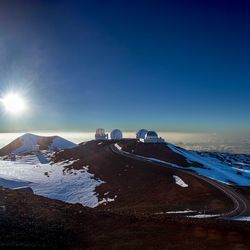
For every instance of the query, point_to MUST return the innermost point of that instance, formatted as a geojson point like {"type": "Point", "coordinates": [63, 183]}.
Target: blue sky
{"type": "Point", "coordinates": [167, 65]}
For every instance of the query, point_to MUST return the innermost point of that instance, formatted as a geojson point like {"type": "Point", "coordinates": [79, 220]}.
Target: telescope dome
{"type": "Point", "coordinates": [116, 134]}
{"type": "Point", "coordinates": [100, 134]}
{"type": "Point", "coordinates": [141, 133]}
{"type": "Point", "coordinates": [151, 134]}
{"type": "Point", "coordinates": [100, 131]}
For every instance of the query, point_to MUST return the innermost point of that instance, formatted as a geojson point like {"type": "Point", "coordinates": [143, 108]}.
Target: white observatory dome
{"type": "Point", "coordinates": [100, 134]}
{"type": "Point", "coordinates": [151, 137]}
{"type": "Point", "coordinates": [100, 131]}
{"type": "Point", "coordinates": [151, 134]}
{"type": "Point", "coordinates": [116, 134]}
{"type": "Point", "coordinates": [141, 134]}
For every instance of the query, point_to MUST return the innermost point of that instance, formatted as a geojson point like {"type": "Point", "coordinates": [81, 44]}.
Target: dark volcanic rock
{"type": "Point", "coordinates": [34, 222]}
{"type": "Point", "coordinates": [25, 190]}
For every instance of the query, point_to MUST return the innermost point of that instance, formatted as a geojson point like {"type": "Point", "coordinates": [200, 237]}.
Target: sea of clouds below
{"type": "Point", "coordinates": [192, 141]}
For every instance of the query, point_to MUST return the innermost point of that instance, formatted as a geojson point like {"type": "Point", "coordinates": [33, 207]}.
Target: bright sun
{"type": "Point", "coordinates": [14, 103]}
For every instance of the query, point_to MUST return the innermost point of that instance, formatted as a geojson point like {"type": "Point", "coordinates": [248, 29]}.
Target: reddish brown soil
{"type": "Point", "coordinates": [33, 222]}
{"type": "Point", "coordinates": [243, 190]}
{"type": "Point", "coordinates": [143, 187]}
{"type": "Point", "coordinates": [10, 147]}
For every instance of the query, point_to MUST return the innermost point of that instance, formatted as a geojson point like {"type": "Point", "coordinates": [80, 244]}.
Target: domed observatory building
{"type": "Point", "coordinates": [100, 134]}
{"type": "Point", "coordinates": [141, 134]}
{"type": "Point", "coordinates": [152, 137]}
{"type": "Point", "coordinates": [116, 134]}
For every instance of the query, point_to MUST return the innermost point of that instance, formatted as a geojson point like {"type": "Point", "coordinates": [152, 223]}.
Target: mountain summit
{"type": "Point", "coordinates": [25, 144]}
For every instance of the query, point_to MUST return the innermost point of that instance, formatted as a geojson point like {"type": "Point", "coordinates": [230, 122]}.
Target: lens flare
{"type": "Point", "coordinates": [14, 103]}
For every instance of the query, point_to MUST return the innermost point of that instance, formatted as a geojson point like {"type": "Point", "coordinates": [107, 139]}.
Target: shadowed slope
{"type": "Point", "coordinates": [33, 222]}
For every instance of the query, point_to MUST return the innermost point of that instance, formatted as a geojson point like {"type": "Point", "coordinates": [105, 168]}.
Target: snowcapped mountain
{"type": "Point", "coordinates": [25, 144]}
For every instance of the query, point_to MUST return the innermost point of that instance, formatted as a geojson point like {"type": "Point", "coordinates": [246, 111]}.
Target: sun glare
{"type": "Point", "coordinates": [14, 103]}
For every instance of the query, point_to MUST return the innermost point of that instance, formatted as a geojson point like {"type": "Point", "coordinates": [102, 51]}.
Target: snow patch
{"type": "Point", "coordinates": [179, 181]}
{"type": "Point", "coordinates": [51, 180]}
{"type": "Point", "coordinates": [177, 212]}
{"type": "Point", "coordinates": [203, 216]}
{"type": "Point", "coordinates": [28, 141]}
{"type": "Point", "coordinates": [181, 212]}
{"type": "Point", "coordinates": [118, 147]}
{"type": "Point", "coordinates": [61, 143]}
{"type": "Point", "coordinates": [106, 200]}
{"type": "Point", "coordinates": [244, 218]}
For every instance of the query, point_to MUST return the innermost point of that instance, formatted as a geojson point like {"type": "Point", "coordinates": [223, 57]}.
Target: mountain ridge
{"type": "Point", "coordinates": [25, 144]}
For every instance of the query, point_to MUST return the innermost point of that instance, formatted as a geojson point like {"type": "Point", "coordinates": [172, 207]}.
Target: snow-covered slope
{"type": "Point", "coordinates": [52, 180]}
{"type": "Point", "coordinates": [214, 168]}
{"type": "Point", "coordinates": [26, 143]}
{"type": "Point", "coordinates": [233, 160]}
{"type": "Point", "coordinates": [61, 143]}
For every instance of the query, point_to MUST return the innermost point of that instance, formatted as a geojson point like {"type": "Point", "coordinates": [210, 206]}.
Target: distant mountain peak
{"type": "Point", "coordinates": [26, 142]}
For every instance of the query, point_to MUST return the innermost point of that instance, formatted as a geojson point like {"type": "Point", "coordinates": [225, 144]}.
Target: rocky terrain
{"type": "Point", "coordinates": [123, 195]}
{"type": "Point", "coordinates": [135, 185]}
{"type": "Point", "coordinates": [33, 222]}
